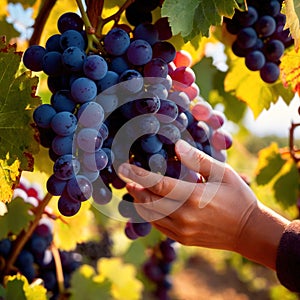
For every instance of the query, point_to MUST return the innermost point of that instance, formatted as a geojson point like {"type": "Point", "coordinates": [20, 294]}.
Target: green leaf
{"type": "Point", "coordinates": [10, 31]}
{"type": "Point", "coordinates": [85, 286]}
{"type": "Point", "coordinates": [270, 163]}
{"type": "Point", "coordinates": [287, 185]}
{"type": "Point", "coordinates": [211, 83]}
{"type": "Point", "coordinates": [16, 219]}
{"type": "Point", "coordinates": [18, 288]}
{"type": "Point", "coordinates": [194, 17]}
{"type": "Point", "coordinates": [17, 102]}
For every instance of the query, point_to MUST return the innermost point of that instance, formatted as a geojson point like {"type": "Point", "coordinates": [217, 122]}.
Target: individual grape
{"type": "Point", "coordinates": [38, 245]}
{"type": "Point", "coordinates": [108, 102]}
{"type": "Point", "coordinates": [272, 8]}
{"type": "Point", "coordinates": [69, 20]}
{"type": "Point", "coordinates": [83, 90]}
{"type": "Point", "coordinates": [265, 26]}
{"type": "Point", "coordinates": [181, 99]}
{"type": "Point", "coordinates": [110, 156]}
{"type": "Point", "coordinates": [201, 111]}
{"type": "Point", "coordinates": [139, 52]}
{"type": "Point", "coordinates": [95, 161]}
{"type": "Point", "coordinates": [169, 134]}
{"type": "Point", "coordinates": [132, 80]}
{"type": "Point", "coordinates": [274, 50]}
{"type": "Point", "coordinates": [221, 140]}
{"type": "Point", "coordinates": [199, 131]}
{"type": "Point", "coordinates": [64, 123]}
{"type": "Point", "coordinates": [118, 64]}
{"type": "Point", "coordinates": [116, 41]}
{"type": "Point", "coordinates": [108, 82]}
{"type": "Point", "coordinates": [157, 162]}
{"type": "Point", "coordinates": [182, 59]}
{"type": "Point", "coordinates": [62, 101]}
{"type": "Point", "coordinates": [141, 125]}
{"type": "Point", "coordinates": [149, 104]}
{"type": "Point", "coordinates": [66, 166]}
{"type": "Point", "coordinates": [73, 59]}
{"type": "Point", "coordinates": [246, 18]}
{"type": "Point", "coordinates": [176, 169]}
{"type": "Point", "coordinates": [129, 231]}
{"type": "Point", "coordinates": [5, 247]}
{"type": "Point", "coordinates": [147, 32]}
{"type": "Point", "coordinates": [270, 72]}
{"type": "Point", "coordinates": [181, 122]}
{"type": "Point", "coordinates": [135, 14]}
{"type": "Point", "coordinates": [184, 76]}
{"type": "Point", "coordinates": [164, 29]}
{"type": "Point", "coordinates": [167, 112]}
{"type": "Point", "coordinates": [102, 193]}
{"type": "Point", "coordinates": [43, 115]}
{"type": "Point", "coordinates": [90, 114]}
{"type": "Point", "coordinates": [151, 143]}
{"type": "Point", "coordinates": [95, 67]}
{"type": "Point", "coordinates": [62, 144]}
{"type": "Point", "coordinates": [142, 229]}
{"type": "Point", "coordinates": [246, 38]}
{"type": "Point", "coordinates": [33, 57]}
{"type": "Point", "coordinates": [55, 186]}
{"type": "Point", "coordinates": [164, 50]}
{"type": "Point", "coordinates": [79, 188]}
{"type": "Point", "coordinates": [52, 63]}
{"type": "Point", "coordinates": [53, 43]}
{"type": "Point", "coordinates": [57, 83]}
{"type": "Point", "coordinates": [103, 130]}
{"type": "Point", "coordinates": [255, 60]}
{"type": "Point", "coordinates": [216, 120]}
{"type": "Point", "coordinates": [156, 67]}
{"type": "Point", "coordinates": [159, 90]}
{"type": "Point", "coordinates": [89, 140]}
{"type": "Point", "coordinates": [68, 207]}
{"type": "Point", "coordinates": [71, 38]}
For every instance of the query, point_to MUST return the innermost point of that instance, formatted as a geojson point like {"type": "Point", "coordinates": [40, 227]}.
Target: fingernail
{"type": "Point", "coordinates": [123, 170]}
{"type": "Point", "coordinates": [183, 147]}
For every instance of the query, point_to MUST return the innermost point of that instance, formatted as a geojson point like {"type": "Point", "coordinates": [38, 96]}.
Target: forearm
{"type": "Point", "coordinates": [261, 235]}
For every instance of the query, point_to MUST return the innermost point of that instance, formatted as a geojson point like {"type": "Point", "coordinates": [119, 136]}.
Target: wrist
{"type": "Point", "coordinates": [260, 237]}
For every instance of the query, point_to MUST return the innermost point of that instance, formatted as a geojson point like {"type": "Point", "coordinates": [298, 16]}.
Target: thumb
{"type": "Point", "coordinates": [198, 161]}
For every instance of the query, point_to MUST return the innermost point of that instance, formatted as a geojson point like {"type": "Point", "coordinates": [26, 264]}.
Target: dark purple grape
{"type": "Point", "coordinates": [69, 20]}
{"type": "Point", "coordinates": [265, 26]}
{"type": "Point", "coordinates": [255, 60]}
{"type": "Point", "coordinates": [270, 72]}
{"type": "Point", "coordinates": [67, 206]}
{"type": "Point", "coordinates": [246, 38]}
{"type": "Point", "coordinates": [274, 50]}
{"type": "Point", "coordinates": [246, 18]}
{"type": "Point", "coordinates": [33, 57]}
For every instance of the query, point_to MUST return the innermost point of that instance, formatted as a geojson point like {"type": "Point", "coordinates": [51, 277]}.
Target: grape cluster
{"type": "Point", "coordinates": [130, 102]}
{"type": "Point", "coordinates": [36, 259]}
{"type": "Point", "coordinates": [260, 37]}
{"type": "Point", "coordinates": [158, 268]}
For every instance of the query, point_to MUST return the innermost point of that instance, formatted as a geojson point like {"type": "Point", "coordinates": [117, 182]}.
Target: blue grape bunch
{"type": "Point", "coordinates": [130, 102]}
{"type": "Point", "coordinates": [260, 37]}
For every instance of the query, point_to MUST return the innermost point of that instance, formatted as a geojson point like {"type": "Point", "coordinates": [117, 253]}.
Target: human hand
{"type": "Point", "coordinates": [210, 214]}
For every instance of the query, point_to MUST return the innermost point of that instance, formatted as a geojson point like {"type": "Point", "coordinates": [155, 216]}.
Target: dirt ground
{"type": "Point", "coordinates": [198, 280]}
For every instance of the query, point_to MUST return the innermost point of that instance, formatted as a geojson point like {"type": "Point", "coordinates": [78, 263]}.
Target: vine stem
{"type": "Point", "coordinates": [24, 236]}
{"type": "Point", "coordinates": [59, 269]}
{"type": "Point", "coordinates": [114, 17]}
{"type": "Point", "coordinates": [293, 150]}
{"type": "Point", "coordinates": [90, 30]}
{"type": "Point", "coordinates": [40, 21]}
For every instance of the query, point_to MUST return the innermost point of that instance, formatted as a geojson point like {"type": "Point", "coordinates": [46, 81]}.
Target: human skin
{"type": "Point", "coordinates": [222, 212]}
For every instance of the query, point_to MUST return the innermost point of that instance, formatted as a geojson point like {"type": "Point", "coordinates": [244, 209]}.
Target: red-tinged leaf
{"type": "Point", "coordinates": [290, 70]}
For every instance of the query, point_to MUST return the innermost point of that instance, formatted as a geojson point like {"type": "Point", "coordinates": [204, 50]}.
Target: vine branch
{"type": "Point", "coordinates": [24, 236]}
{"type": "Point", "coordinates": [293, 150]}
{"type": "Point", "coordinates": [40, 21]}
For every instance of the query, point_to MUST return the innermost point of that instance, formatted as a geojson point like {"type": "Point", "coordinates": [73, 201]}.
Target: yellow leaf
{"type": "Point", "coordinates": [290, 70]}
{"type": "Point", "coordinates": [9, 178]}
{"type": "Point", "coordinates": [72, 230]}
{"type": "Point", "coordinates": [292, 11]}
{"type": "Point", "coordinates": [249, 87]}
{"type": "Point", "coordinates": [125, 286]}
{"type": "Point", "coordinates": [3, 8]}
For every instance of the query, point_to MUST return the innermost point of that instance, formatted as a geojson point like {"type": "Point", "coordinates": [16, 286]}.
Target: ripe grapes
{"type": "Point", "coordinates": [260, 37]}
{"type": "Point", "coordinates": [130, 102]}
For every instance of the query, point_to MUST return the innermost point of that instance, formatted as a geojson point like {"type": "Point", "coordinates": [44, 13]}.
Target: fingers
{"type": "Point", "coordinates": [151, 206]}
{"type": "Point", "coordinates": [198, 161]}
{"type": "Point", "coordinates": [161, 185]}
